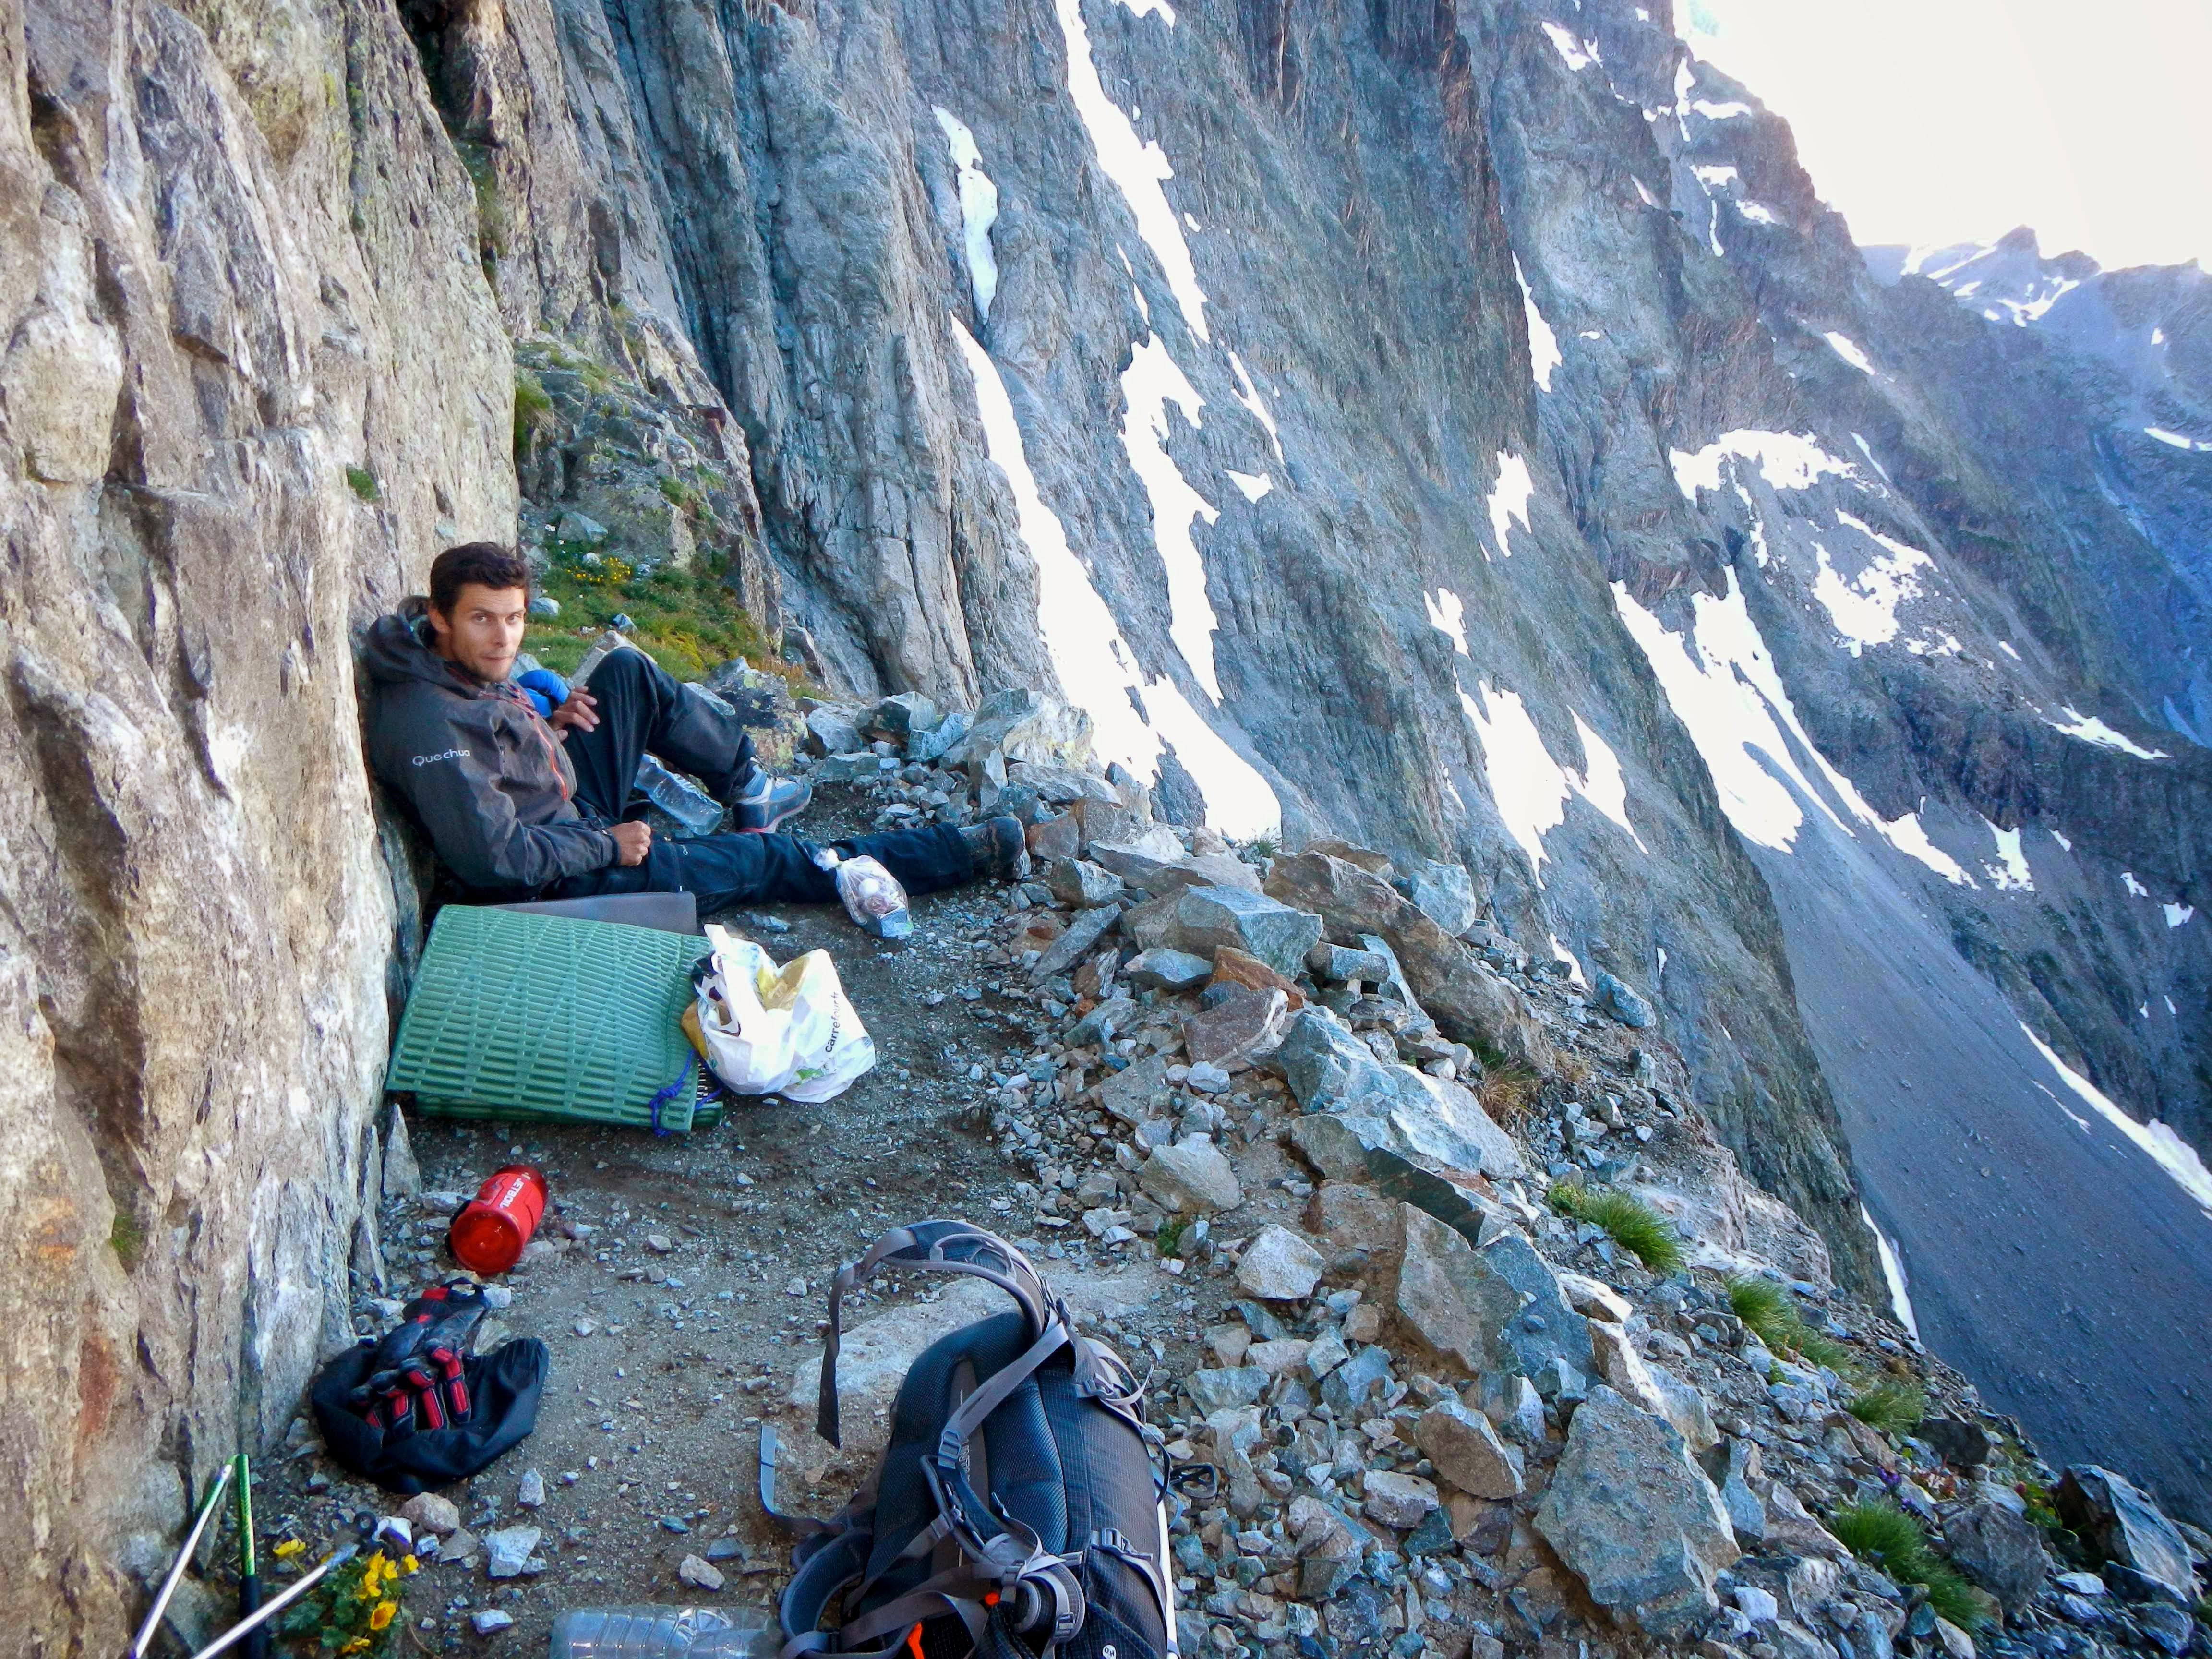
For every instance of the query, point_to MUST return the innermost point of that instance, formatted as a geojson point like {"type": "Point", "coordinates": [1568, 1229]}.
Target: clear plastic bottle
{"type": "Point", "coordinates": [663, 1633]}
{"type": "Point", "coordinates": [697, 811]}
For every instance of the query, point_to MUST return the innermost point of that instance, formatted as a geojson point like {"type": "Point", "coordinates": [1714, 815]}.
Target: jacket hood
{"type": "Point", "coordinates": [397, 649]}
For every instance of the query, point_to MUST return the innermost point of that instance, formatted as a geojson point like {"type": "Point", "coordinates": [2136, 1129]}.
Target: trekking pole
{"type": "Point", "coordinates": [209, 1504]}
{"type": "Point", "coordinates": [247, 1627]}
{"type": "Point", "coordinates": [249, 1576]}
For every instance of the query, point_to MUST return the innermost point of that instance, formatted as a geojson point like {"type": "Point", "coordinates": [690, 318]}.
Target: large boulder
{"type": "Point", "coordinates": [2000, 1551]}
{"type": "Point", "coordinates": [1635, 1518]}
{"type": "Point", "coordinates": [1468, 1003]}
{"type": "Point", "coordinates": [1329, 1070]}
{"type": "Point", "coordinates": [1278, 1266]}
{"type": "Point", "coordinates": [1445, 894]}
{"type": "Point", "coordinates": [1448, 1299]}
{"type": "Point", "coordinates": [1614, 996]}
{"type": "Point", "coordinates": [1466, 1451]}
{"type": "Point", "coordinates": [2119, 1521]}
{"type": "Point", "coordinates": [1548, 1327]}
{"type": "Point", "coordinates": [1190, 1178]}
{"type": "Point", "coordinates": [1202, 920]}
{"type": "Point", "coordinates": [1243, 1026]}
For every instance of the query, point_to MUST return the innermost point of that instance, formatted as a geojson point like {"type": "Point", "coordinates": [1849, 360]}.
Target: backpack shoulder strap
{"type": "Point", "coordinates": [938, 1247]}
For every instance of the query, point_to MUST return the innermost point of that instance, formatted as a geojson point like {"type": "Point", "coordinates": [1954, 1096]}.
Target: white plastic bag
{"type": "Point", "coordinates": [788, 1031]}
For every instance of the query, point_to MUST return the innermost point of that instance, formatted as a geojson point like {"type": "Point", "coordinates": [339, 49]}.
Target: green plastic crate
{"type": "Point", "coordinates": [540, 1018]}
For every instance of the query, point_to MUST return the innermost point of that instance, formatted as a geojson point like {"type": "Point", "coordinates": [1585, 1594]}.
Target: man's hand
{"type": "Point", "coordinates": [632, 841]}
{"type": "Point", "coordinates": [581, 713]}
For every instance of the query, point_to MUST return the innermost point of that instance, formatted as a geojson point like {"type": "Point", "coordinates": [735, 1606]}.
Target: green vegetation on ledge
{"type": "Point", "coordinates": [1883, 1535]}
{"type": "Point", "coordinates": [1629, 1222]}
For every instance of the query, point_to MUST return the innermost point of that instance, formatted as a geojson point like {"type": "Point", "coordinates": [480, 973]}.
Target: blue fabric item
{"type": "Point", "coordinates": [546, 689]}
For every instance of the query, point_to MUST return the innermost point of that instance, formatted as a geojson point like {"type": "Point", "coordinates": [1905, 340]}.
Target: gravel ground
{"type": "Point", "coordinates": [686, 1280]}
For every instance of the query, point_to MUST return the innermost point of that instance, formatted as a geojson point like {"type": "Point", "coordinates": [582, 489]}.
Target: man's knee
{"type": "Point", "coordinates": [626, 671]}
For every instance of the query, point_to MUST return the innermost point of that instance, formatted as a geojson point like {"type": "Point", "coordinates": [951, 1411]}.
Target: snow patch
{"type": "Point", "coordinates": [1093, 663]}
{"type": "Point", "coordinates": [2061, 839]}
{"type": "Point", "coordinates": [1602, 783]}
{"type": "Point", "coordinates": [2089, 729]}
{"type": "Point", "coordinates": [1892, 1272]}
{"type": "Point", "coordinates": [2173, 438]}
{"type": "Point", "coordinates": [1787, 460]}
{"type": "Point", "coordinates": [1248, 395]}
{"type": "Point", "coordinates": [1528, 787]}
{"type": "Point", "coordinates": [1848, 348]}
{"type": "Point", "coordinates": [1543, 344]}
{"type": "Point", "coordinates": [2010, 874]}
{"type": "Point", "coordinates": [1909, 837]}
{"type": "Point", "coordinates": [1716, 177]}
{"type": "Point", "coordinates": [2178, 915]}
{"type": "Point", "coordinates": [1445, 616]}
{"type": "Point", "coordinates": [1254, 484]}
{"type": "Point", "coordinates": [1643, 191]}
{"type": "Point", "coordinates": [1758, 212]}
{"type": "Point", "coordinates": [1137, 168]}
{"type": "Point", "coordinates": [1152, 381]}
{"type": "Point", "coordinates": [2167, 1149]}
{"type": "Point", "coordinates": [1509, 498]}
{"type": "Point", "coordinates": [1579, 54]}
{"type": "Point", "coordinates": [1863, 608]}
{"type": "Point", "coordinates": [1731, 111]}
{"type": "Point", "coordinates": [1868, 453]}
{"type": "Point", "coordinates": [2005, 646]}
{"type": "Point", "coordinates": [1560, 953]}
{"type": "Point", "coordinates": [978, 209]}
{"type": "Point", "coordinates": [1721, 683]}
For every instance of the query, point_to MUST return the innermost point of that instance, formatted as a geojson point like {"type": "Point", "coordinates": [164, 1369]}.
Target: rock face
{"type": "Point", "coordinates": [2000, 1551]}
{"type": "Point", "coordinates": [210, 318]}
{"type": "Point", "coordinates": [1635, 1518]}
{"type": "Point", "coordinates": [2123, 1525]}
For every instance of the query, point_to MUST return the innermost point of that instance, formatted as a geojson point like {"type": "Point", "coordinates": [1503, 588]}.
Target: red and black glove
{"type": "Point", "coordinates": [416, 1378]}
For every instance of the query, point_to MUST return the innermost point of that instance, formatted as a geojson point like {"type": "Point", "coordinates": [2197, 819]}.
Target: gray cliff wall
{"type": "Point", "coordinates": [237, 258]}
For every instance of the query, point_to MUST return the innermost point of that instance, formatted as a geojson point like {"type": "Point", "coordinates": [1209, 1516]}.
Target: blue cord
{"type": "Point", "coordinates": [669, 1093]}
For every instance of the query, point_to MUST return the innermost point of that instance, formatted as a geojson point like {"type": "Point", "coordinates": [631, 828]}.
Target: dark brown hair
{"type": "Point", "coordinates": [485, 563]}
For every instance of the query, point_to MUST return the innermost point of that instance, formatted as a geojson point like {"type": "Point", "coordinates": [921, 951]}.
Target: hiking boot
{"type": "Point", "coordinates": [767, 802]}
{"type": "Point", "coordinates": [997, 847]}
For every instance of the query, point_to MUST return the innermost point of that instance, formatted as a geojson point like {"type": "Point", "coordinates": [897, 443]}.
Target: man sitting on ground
{"type": "Point", "coordinates": [520, 806]}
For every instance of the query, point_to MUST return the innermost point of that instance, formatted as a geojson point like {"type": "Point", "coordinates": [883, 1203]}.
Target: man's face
{"type": "Point", "coordinates": [485, 631]}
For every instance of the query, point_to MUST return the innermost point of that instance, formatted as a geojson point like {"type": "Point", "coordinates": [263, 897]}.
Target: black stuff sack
{"type": "Point", "coordinates": [1017, 1513]}
{"type": "Point", "coordinates": [414, 1409]}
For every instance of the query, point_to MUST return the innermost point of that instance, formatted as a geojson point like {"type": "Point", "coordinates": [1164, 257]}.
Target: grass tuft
{"type": "Point", "coordinates": [1768, 1311]}
{"type": "Point", "coordinates": [1629, 1222]}
{"type": "Point", "coordinates": [1506, 1093]}
{"type": "Point", "coordinates": [362, 483]}
{"type": "Point", "coordinates": [1885, 1535]}
{"type": "Point", "coordinates": [533, 406]}
{"type": "Point", "coordinates": [127, 1239]}
{"type": "Point", "coordinates": [1892, 1405]}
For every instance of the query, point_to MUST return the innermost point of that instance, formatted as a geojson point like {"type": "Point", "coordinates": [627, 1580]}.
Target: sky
{"type": "Point", "coordinates": [1940, 121]}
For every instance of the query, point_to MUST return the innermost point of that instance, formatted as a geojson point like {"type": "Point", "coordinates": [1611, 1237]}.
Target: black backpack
{"type": "Point", "coordinates": [1017, 1513]}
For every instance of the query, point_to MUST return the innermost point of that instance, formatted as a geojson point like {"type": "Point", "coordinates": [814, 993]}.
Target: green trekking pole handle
{"type": "Point", "coordinates": [249, 1574]}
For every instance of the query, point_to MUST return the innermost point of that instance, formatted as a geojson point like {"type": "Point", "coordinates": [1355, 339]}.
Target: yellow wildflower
{"type": "Point", "coordinates": [382, 1615]}
{"type": "Point", "coordinates": [359, 1644]}
{"type": "Point", "coordinates": [288, 1548]}
{"type": "Point", "coordinates": [412, 1564]}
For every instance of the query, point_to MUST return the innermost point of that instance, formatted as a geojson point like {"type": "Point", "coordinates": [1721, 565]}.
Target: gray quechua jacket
{"type": "Point", "coordinates": [487, 777]}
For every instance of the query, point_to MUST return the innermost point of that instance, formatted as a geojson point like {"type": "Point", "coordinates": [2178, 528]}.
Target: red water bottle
{"type": "Point", "coordinates": [488, 1236]}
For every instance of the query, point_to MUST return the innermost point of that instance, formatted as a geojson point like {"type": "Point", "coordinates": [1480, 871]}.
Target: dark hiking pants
{"type": "Point", "coordinates": [642, 709]}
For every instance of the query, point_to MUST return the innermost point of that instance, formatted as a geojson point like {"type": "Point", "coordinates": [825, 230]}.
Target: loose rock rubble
{"type": "Point", "coordinates": [1283, 1128]}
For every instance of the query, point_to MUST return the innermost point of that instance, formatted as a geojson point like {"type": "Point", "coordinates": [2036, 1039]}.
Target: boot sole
{"type": "Point", "coordinates": [783, 816]}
